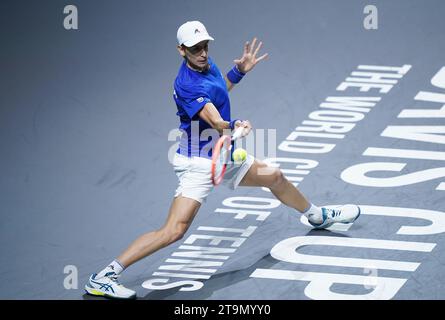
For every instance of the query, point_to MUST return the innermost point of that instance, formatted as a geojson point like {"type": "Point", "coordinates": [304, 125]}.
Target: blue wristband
{"type": "Point", "coordinates": [232, 123]}
{"type": "Point", "coordinates": [234, 75]}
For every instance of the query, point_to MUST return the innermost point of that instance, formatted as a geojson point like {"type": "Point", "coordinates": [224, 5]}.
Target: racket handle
{"type": "Point", "coordinates": [238, 132]}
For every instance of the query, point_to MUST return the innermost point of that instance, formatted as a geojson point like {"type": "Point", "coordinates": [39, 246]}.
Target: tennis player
{"type": "Point", "coordinates": [202, 100]}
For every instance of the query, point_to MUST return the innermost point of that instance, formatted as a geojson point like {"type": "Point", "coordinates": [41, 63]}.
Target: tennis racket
{"type": "Point", "coordinates": [221, 155]}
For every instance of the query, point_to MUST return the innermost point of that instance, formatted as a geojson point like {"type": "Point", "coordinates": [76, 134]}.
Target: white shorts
{"type": "Point", "coordinates": [194, 175]}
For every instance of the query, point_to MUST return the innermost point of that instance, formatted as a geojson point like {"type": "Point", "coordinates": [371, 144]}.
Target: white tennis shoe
{"type": "Point", "coordinates": [108, 286]}
{"type": "Point", "coordinates": [347, 213]}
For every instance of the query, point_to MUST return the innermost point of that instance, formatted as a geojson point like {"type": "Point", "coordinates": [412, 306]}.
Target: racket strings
{"type": "Point", "coordinates": [223, 159]}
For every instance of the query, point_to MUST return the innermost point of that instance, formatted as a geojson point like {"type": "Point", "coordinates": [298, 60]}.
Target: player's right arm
{"type": "Point", "coordinates": [211, 115]}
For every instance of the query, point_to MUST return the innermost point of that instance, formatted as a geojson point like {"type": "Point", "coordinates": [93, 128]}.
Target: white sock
{"type": "Point", "coordinates": [313, 213]}
{"type": "Point", "coordinates": [114, 266]}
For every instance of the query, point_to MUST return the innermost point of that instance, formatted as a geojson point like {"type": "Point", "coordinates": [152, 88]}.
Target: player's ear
{"type": "Point", "coordinates": [181, 50]}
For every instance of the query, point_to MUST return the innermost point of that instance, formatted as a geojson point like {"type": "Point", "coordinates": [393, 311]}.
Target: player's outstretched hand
{"type": "Point", "coordinates": [249, 59]}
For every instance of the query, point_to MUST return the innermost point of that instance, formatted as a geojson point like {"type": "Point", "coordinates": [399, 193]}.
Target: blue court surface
{"type": "Point", "coordinates": [86, 122]}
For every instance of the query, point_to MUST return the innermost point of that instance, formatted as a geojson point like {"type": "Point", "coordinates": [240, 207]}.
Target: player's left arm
{"type": "Point", "coordinates": [244, 64]}
{"type": "Point", "coordinates": [229, 84]}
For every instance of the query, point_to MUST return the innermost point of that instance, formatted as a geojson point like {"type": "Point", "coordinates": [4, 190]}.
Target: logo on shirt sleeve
{"type": "Point", "coordinates": [201, 99]}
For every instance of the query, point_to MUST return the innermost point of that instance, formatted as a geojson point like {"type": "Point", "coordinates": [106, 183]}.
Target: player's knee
{"type": "Point", "coordinates": [176, 233]}
{"type": "Point", "coordinates": [277, 178]}
{"type": "Point", "coordinates": [176, 236]}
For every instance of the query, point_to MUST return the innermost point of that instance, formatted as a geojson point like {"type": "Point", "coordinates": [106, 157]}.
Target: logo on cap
{"type": "Point", "coordinates": [197, 31]}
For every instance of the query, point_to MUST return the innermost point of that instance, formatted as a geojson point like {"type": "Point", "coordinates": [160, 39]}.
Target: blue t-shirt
{"type": "Point", "coordinates": [193, 90]}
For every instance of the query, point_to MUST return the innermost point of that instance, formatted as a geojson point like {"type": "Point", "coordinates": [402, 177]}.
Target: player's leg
{"type": "Point", "coordinates": [181, 214]}
{"type": "Point", "coordinates": [262, 175]}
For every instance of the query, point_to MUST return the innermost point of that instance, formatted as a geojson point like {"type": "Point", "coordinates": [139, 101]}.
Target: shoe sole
{"type": "Point", "coordinates": [98, 293]}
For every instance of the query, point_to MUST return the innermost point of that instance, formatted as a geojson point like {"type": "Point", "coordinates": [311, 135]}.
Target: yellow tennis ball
{"type": "Point", "coordinates": [239, 155]}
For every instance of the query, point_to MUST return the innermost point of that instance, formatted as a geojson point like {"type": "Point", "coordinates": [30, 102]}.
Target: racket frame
{"type": "Point", "coordinates": [215, 158]}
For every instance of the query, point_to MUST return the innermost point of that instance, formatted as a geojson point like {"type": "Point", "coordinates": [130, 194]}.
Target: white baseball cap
{"type": "Point", "coordinates": [191, 33]}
